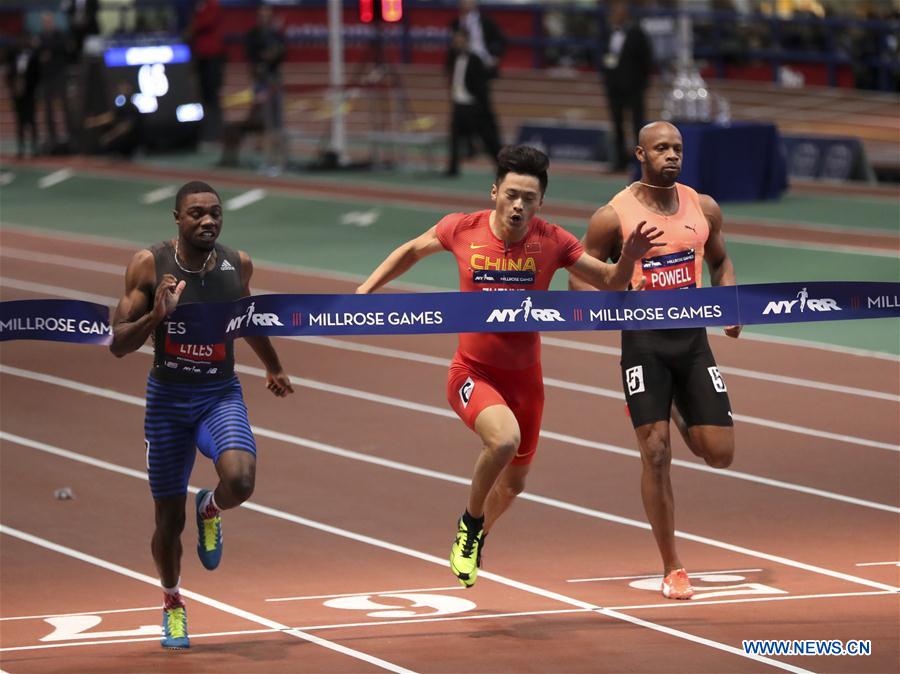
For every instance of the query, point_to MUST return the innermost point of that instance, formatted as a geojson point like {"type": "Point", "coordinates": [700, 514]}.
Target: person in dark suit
{"type": "Point", "coordinates": [627, 62]}
{"type": "Point", "coordinates": [485, 38]}
{"type": "Point", "coordinates": [82, 15]}
{"type": "Point", "coordinates": [23, 73]}
{"type": "Point", "coordinates": [472, 113]}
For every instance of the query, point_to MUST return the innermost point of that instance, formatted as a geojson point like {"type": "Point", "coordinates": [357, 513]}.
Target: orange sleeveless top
{"type": "Point", "coordinates": [678, 264]}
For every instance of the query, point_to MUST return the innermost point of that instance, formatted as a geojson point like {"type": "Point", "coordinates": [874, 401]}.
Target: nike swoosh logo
{"type": "Point", "coordinates": [482, 245]}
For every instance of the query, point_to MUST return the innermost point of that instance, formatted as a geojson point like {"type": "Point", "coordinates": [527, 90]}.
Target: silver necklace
{"type": "Point", "coordinates": [191, 271]}
{"type": "Point", "coordinates": [657, 187]}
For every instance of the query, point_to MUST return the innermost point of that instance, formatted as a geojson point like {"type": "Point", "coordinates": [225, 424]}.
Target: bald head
{"type": "Point", "coordinates": [651, 132]}
{"type": "Point", "coordinates": [659, 151]}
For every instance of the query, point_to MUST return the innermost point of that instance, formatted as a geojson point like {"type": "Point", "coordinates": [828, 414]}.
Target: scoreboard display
{"type": "Point", "coordinates": [159, 80]}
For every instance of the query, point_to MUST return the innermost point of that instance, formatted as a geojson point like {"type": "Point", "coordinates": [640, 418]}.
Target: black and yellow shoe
{"type": "Point", "coordinates": [465, 553]}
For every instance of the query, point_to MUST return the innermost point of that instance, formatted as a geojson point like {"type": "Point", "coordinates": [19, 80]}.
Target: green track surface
{"type": "Point", "coordinates": [309, 233]}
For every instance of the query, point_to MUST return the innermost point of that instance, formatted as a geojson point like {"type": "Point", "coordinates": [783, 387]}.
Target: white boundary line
{"type": "Point", "coordinates": [554, 503]}
{"type": "Point", "coordinates": [463, 618]}
{"type": "Point", "coordinates": [357, 278]}
{"type": "Point", "coordinates": [202, 599]}
{"type": "Point", "coordinates": [879, 564]}
{"type": "Point", "coordinates": [549, 381]}
{"type": "Point", "coordinates": [437, 411]}
{"type": "Point", "coordinates": [67, 615]}
{"type": "Point", "coordinates": [368, 594]}
{"type": "Point", "coordinates": [361, 538]}
{"type": "Point", "coordinates": [692, 574]}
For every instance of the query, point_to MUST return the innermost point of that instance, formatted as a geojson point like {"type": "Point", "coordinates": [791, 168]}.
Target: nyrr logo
{"type": "Point", "coordinates": [804, 302]}
{"type": "Point", "coordinates": [527, 311]}
{"type": "Point", "coordinates": [251, 318]}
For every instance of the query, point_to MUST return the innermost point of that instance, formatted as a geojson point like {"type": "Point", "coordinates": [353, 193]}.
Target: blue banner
{"type": "Point", "coordinates": [55, 320]}
{"type": "Point", "coordinates": [527, 311]}
{"type": "Point", "coordinates": [453, 312]}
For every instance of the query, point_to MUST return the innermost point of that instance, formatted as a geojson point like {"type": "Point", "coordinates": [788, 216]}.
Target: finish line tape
{"type": "Point", "coordinates": [454, 312]}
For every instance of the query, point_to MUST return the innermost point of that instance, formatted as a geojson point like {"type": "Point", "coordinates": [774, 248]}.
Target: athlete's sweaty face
{"type": "Point", "coordinates": [200, 220]}
{"type": "Point", "coordinates": [660, 153]}
{"type": "Point", "coordinates": [517, 198]}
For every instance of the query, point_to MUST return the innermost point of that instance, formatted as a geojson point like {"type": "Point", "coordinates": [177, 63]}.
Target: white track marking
{"type": "Point", "coordinates": [437, 411]}
{"type": "Point", "coordinates": [201, 599]}
{"type": "Point", "coordinates": [554, 503]}
{"type": "Point", "coordinates": [68, 615]}
{"type": "Point", "coordinates": [55, 178]}
{"type": "Point", "coordinates": [344, 533]}
{"type": "Point", "coordinates": [879, 564]}
{"type": "Point", "coordinates": [346, 277]}
{"type": "Point", "coordinates": [368, 594]}
{"type": "Point", "coordinates": [482, 616]}
{"type": "Point", "coordinates": [656, 575]}
{"type": "Point", "coordinates": [775, 242]}
{"type": "Point", "coordinates": [160, 194]}
{"type": "Point", "coordinates": [245, 199]}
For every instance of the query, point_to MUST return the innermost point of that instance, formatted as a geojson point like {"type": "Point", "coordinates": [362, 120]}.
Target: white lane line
{"type": "Point", "coordinates": [774, 242]}
{"type": "Point", "coordinates": [61, 260]}
{"type": "Point", "coordinates": [455, 479]}
{"type": "Point", "coordinates": [410, 552]}
{"type": "Point", "coordinates": [461, 618]}
{"type": "Point", "coordinates": [202, 599]}
{"type": "Point", "coordinates": [346, 277]}
{"type": "Point", "coordinates": [368, 594]}
{"type": "Point", "coordinates": [6, 177]}
{"type": "Point", "coordinates": [878, 564]}
{"type": "Point", "coordinates": [748, 600]}
{"type": "Point", "coordinates": [67, 615]}
{"type": "Point", "coordinates": [160, 194]}
{"type": "Point", "coordinates": [656, 575]}
{"type": "Point", "coordinates": [55, 178]}
{"type": "Point", "coordinates": [245, 199]}
{"type": "Point", "coordinates": [447, 414]}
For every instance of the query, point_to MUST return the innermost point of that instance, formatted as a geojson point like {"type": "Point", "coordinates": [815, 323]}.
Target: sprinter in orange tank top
{"type": "Point", "coordinates": [494, 383]}
{"type": "Point", "coordinates": [662, 367]}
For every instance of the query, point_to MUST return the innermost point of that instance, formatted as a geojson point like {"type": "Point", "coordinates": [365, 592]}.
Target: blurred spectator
{"type": "Point", "coordinates": [121, 127]}
{"type": "Point", "coordinates": [233, 133]}
{"type": "Point", "coordinates": [266, 47]}
{"type": "Point", "coordinates": [627, 62]}
{"type": "Point", "coordinates": [82, 16]}
{"type": "Point", "coordinates": [52, 55]}
{"type": "Point", "coordinates": [485, 38]}
{"type": "Point", "coordinates": [204, 34]}
{"type": "Point", "coordinates": [22, 75]}
{"type": "Point", "coordinates": [472, 113]}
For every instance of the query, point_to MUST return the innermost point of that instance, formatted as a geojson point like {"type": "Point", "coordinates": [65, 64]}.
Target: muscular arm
{"type": "Point", "coordinates": [602, 241]}
{"type": "Point", "coordinates": [401, 260]}
{"type": "Point", "coordinates": [721, 269]}
{"type": "Point", "coordinates": [276, 380]}
{"type": "Point", "coordinates": [135, 318]}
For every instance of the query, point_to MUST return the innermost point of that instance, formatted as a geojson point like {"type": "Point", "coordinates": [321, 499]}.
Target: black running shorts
{"type": "Point", "coordinates": [659, 366]}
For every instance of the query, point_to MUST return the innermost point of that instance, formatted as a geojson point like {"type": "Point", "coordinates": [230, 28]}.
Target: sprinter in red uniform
{"type": "Point", "coordinates": [660, 367]}
{"type": "Point", "coordinates": [495, 383]}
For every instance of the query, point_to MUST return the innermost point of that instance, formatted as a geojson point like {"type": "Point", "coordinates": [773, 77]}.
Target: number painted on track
{"type": "Point", "coordinates": [440, 605]}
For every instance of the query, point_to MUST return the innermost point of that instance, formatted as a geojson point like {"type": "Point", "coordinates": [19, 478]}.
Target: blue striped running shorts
{"type": "Point", "coordinates": [211, 417]}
